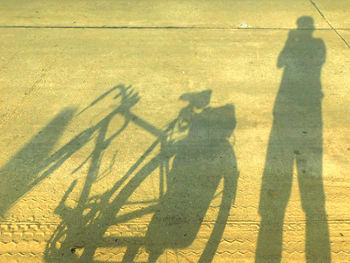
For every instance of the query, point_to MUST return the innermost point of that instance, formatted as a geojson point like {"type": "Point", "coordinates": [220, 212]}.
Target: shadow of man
{"type": "Point", "coordinates": [296, 137]}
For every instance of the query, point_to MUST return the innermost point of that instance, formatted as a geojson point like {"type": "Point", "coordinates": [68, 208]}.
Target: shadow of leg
{"type": "Point", "coordinates": [269, 248]}
{"type": "Point", "coordinates": [274, 196]}
{"type": "Point", "coordinates": [313, 202]}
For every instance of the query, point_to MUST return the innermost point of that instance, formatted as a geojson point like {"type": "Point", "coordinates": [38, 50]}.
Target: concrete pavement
{"type": "Point", "coordinates": [84, 165]}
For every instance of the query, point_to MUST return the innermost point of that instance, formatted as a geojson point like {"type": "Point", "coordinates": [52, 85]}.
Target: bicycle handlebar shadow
{"type": "Point", "coordinates": [200, 161]}
{"type": "Point", "coordinates": [296, 137]}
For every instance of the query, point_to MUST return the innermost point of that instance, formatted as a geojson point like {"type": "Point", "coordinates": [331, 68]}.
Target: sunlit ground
{"type": "Point", "coordinates": [181, 131]}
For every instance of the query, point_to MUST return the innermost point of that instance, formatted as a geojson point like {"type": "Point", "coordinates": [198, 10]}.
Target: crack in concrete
{"type": "Point", "coordinates": [330, 25]}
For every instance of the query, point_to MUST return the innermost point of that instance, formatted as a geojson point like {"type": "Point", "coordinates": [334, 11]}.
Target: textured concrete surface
{"type": "Point", "coordinates": [94, 168]}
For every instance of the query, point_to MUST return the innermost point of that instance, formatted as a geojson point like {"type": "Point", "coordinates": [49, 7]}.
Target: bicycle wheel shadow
{"type": "Point", "coordinates": [201, 161]}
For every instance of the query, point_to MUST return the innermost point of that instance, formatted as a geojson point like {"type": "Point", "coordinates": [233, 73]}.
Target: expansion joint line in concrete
{"type": "Point", "coordinates": [330, 25]}
{"type": "Point", "coordinates": [163, 27]}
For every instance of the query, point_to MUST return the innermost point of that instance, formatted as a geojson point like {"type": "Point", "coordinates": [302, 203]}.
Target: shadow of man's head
{"type": "Point", "coordinates": [305, 22]}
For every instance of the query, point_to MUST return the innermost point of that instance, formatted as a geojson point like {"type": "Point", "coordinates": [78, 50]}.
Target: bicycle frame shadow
{"type": "Point", "coordinates": [200, 161]}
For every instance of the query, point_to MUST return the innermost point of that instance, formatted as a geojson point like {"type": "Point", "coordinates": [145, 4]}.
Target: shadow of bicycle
{"type": "Point", "coordinates": [190, 171]}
